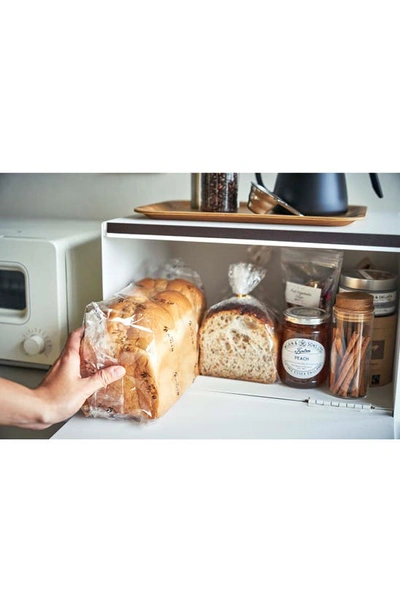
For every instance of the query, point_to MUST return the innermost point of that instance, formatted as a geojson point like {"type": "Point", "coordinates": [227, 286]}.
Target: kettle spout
{"type": "Point", "coordinates": [376, 184]}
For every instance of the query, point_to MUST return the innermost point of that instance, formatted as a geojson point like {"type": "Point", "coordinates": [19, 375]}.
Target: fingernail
{"type": "Point", "coordinates": [118, 371]}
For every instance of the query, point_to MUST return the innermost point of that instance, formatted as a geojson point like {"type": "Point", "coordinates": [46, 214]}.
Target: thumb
{"type": "Point", "coordinates": [103, 377]}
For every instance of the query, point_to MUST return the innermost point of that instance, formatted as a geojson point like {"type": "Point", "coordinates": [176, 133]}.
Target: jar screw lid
{"type": "Point", "coordinates": [355, 301]}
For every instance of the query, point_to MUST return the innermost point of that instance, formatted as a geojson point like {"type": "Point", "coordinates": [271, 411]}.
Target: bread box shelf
{"type": "Point", "coordinates": [216, 408]}
{"type": "Point", "coordinates": [374, 233]}
{"type": "Point", "coordinates": [220, 409]}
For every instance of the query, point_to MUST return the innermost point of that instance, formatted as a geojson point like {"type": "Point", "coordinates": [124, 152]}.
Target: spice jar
{"type": "Point", "coordinates": [304, 350]}
{"type": "Point", "coordinates": [219, 192]}
{"type": "Point", "coordinates": [382, 286]}
{"type": "Point", "coordinates": [353, 319]}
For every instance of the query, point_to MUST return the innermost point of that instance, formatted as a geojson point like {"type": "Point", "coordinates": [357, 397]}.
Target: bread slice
{"type": "Point", "coordinates": [238, 340]}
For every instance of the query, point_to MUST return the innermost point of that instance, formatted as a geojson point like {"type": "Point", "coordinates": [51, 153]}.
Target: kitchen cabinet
{"type": "Point", "coordinates": [218, 408]}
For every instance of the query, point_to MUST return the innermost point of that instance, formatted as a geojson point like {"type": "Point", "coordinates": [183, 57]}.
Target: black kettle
{"type": "Point", "coordinates": [320, 193]}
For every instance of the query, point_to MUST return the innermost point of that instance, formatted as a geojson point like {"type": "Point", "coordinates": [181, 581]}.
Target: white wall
{"type": "Point", "coordinates": [104, 196]}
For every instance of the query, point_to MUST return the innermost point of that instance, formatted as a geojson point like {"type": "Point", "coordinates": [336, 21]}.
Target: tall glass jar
{"type": "Point", "coordinates": [219, 192]}
{"type": "Point", "coordinates": [353, 319]}
{"type": "Point", "coordinates": [303, 361]}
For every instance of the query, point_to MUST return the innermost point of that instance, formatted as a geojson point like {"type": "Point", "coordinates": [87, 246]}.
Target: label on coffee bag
{"type": "Point", "coordinates": [302, 295]}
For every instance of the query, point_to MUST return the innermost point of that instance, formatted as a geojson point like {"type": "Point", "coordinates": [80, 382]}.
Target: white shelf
{"type": "Point", "coordinates": [206, 412]}
{"type": "Point", "coordinates": [375, 232]}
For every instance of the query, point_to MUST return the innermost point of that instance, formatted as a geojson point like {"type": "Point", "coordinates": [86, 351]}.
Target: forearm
{"type": "Point", "coordinates": [21, 406]}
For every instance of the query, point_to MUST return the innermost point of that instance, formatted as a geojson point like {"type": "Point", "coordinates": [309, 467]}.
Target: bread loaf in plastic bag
{"type": "Point", "coordinates": [239, 336]}
{"type": "Point", "coordinates": [151, 328]}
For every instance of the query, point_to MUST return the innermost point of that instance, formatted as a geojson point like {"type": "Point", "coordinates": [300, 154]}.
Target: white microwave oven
{"type": "Point", "coordinates": [49, 271]}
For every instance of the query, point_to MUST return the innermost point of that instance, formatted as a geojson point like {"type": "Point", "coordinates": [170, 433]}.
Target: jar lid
{"type": "Point", "coordinates": [305, 316]}
{"type": "Point", "coordinates": [356, 302]}
{"type": "Point", "coordinates": [373, 280]}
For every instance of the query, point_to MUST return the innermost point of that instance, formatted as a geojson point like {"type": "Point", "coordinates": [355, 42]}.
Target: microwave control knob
{"type": "Point", "coordinates": [34, 344]}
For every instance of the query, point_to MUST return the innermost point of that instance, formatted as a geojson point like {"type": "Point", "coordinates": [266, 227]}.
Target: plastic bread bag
{"type": "Point", "coordinates": [239, 336]}
{"type": "Point", "coordinates": [151, 328]}
{"type": "Point", "coordinates": [175, 268]}
{"type": "Point", "coordinates": [260, 257]}
{"type": "Point", "coordinates": [269, 289]}
{"type": "Point", "coordinates": [311, 276]}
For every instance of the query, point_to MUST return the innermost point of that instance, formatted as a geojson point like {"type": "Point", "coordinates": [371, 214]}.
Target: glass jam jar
{"type": "Point", "coordinates": [303, 360]}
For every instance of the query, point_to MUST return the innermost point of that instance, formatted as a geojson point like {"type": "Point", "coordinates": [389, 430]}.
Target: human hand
{"type": "Point", "coordinates": [63, 391]}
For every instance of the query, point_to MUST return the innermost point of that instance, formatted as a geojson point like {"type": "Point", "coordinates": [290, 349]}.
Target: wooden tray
{"type": "Point", "coordinates": [180, 210]}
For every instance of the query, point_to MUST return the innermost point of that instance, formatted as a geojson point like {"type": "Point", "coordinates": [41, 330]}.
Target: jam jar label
{"type": "Point", "coordinates": [303, 358]}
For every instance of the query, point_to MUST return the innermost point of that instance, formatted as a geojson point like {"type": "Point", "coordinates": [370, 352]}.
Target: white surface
{"type": "Point", "coordinates": [73, 231]}
{"type": "Point", "coordinates": [204, 413]}
{"type": "Point", "coordinates": [374, 223]}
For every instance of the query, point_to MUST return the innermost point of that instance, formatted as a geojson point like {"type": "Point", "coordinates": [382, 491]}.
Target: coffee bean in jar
{"type": "Point", "coordinates": [303, 360]}
{"type": "Point", "coordinates": [219, 192]}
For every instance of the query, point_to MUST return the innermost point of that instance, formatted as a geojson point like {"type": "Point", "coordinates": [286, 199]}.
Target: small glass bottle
{"type": "Point", "coordinates": [353, 320]}
{"type": "Point", "coordinates": [219, 192]}
{"type": "Point", "coordinates": [303, 361]}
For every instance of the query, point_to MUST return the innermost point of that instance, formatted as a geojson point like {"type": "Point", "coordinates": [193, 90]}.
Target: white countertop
{"type": "Point", "coordinates": [205, 411]}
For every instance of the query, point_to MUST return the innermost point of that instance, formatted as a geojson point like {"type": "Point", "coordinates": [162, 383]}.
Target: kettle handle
{"type": "Point", "coordinates": [376, 184]}
{"type": "Point", "coordinates": [259, 179]}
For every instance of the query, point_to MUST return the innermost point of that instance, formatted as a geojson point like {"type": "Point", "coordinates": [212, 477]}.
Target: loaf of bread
{"type": "Point", "coordinates": [239, 340]}
{"type": "Point", "coordinates": [151, 328]}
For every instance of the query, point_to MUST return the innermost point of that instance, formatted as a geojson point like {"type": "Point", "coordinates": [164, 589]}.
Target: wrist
{"type": "Point", "coordinates": [41, 409]}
